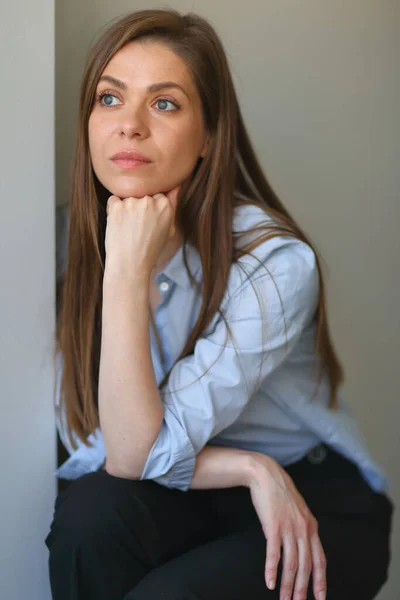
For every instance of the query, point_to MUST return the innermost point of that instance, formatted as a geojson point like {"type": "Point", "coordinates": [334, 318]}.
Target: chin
{"type": "Point", "coordinates": [137, 189]}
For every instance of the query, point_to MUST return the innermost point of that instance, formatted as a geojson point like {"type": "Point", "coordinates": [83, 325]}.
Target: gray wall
{"type": "Point", "coordinates": [27, 296]}
{"type": "Point", "coordinates": [317, 85]}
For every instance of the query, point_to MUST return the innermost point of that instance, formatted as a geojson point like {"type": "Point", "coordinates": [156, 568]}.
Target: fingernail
{"type": "Point", "coordinates": [321, 596]}
{"type": "Point", "coordinates": [271, 584]}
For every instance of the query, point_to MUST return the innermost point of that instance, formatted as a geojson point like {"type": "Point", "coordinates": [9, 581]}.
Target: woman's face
{"type": "Point", "coordinates": [165, 124]}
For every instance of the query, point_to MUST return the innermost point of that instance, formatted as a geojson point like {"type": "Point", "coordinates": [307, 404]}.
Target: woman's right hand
{"type": "Point", "coordinates": [287, 522]}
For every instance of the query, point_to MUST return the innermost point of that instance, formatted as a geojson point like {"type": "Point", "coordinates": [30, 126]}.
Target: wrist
{"type": "Point", "coordinates": [257, 468]}
{"type": "Point", "coordinates": [134, 276]}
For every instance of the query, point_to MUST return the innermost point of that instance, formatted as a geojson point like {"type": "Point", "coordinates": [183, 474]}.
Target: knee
{"type": "Point", "coordinates": [91, 508]}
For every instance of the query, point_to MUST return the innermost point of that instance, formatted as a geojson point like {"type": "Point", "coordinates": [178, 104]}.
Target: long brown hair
{"type": "Point", "coordinates": [227, 176]}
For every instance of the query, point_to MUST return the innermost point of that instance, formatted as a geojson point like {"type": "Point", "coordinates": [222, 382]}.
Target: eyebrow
{"type": "Point", "coordinates": [154, 87]}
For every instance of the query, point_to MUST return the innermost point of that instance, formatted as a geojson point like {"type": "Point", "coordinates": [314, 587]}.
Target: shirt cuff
{"type": "Point", "coordinates": [171, 460]}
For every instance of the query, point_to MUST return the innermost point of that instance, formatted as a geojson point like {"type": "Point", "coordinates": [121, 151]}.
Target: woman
{"type": "Point", "coordinates": [213, 454]}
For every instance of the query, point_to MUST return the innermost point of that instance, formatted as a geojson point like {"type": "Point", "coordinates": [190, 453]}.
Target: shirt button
{"type": "Point", "coordinates": [164, 286]}
{"type": "Point", "coordinates": [317, 455]}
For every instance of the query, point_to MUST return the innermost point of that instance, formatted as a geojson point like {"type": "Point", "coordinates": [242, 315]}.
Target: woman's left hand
{"type": "Point", "coordinates": [287, 522]}
{"type": "Point", "coordinates": [137, 231]}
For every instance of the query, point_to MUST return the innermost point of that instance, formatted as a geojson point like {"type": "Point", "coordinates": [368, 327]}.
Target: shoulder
{"type": "Point", "coordinates": [277, 281]}
{"type": "Point", "coordinates": [287, 258]}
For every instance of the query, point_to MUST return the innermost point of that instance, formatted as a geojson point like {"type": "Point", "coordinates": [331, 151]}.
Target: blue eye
{"type": "Point", "coordinates": [105, 95]}
{"type": "Point", "coordinates": [164, 102]}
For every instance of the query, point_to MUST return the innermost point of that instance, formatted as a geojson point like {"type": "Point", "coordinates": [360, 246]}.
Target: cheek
{"type": "Point", "coordinates": [182, 149]}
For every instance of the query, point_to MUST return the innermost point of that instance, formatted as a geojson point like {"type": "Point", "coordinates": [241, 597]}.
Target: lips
{"type": "Point", "coordinates": [131, 156]}
{"type": "Point", "coordinates": [129, 159]}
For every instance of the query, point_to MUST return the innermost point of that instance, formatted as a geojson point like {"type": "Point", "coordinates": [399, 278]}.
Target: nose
{"type": "Point", "coordinates": [133, 123]}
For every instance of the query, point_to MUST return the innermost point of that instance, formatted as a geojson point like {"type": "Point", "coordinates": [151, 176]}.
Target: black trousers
{"type": "Point", "coordinates": [118, 539]}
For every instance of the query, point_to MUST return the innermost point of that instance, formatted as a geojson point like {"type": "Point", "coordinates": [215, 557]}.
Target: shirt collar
{"type": "Point", "coordinates": [244, 217]}
{"type": "Point", "coordinates": [176, 270]}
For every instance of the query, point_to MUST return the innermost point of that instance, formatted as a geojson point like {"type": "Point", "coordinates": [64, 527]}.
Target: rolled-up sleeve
{"type": "Point", "coordinates": [271, 298]}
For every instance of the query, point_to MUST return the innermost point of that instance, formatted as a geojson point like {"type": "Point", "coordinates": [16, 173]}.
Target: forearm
{"type": "Point", "coordinates": [130, 407]}
{"type": "Point", "coordinates": [222, 467]}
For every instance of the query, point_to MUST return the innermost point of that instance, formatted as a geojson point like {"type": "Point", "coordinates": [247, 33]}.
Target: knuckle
{"type": "Point", "coordinates": [273, 534]}
{"type": "Point", "coordinates": [307, 566]}
{"type": "Point", "coordinates": [273, 556]}
{"type": "Point", "coordinates": [303, 523]}
{"type": "Point", "coordinates": [272, 563]}
{"type": "Point", "coordinates": [162, 204]}
{"type": "Point", "coordinates": [321, 562]}
{"type": "Point", "coordinates": [271, 568]}
{"type": "Point", "coordinates": [271, 572]}
{"type": "Point", "coordinates": [301, 592]}
{"type": "Point", "coordinates": [320, 589]}
{"type": "Point", "coordinates": [286, 589]}
{"type": "Point", "coordinates": [292, 565]}
{"type": "Point", "coordinates": [147, 201]}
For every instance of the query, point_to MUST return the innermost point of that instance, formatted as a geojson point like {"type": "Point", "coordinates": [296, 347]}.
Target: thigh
{"type": "Point", "coordinates": [151, 521]}
{"type": "Point", "coordinates": [354, 527]}
{"type": "Point", "coordinates": [358, 557]}
{"type": "Point", "coordinates": [230, 567]}
{"type": "Point", "coordinates": [109, 532]}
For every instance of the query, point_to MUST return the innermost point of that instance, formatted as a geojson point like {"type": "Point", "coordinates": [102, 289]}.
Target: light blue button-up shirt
{"type": "Point", "coordinates": [256, 393]}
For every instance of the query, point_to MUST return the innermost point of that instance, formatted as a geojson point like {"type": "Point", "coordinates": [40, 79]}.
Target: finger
{"type": "Point", "coordinates": [273, 557]}
{"type": "Point", "coordinates": [304, 568]}
{"type": "Point", "coordinates": [158, 196]}
{"type": "Point", "coordinates": [319, 564]}
{"type": "Point", "coordinates": [172, 196]}
{"type": "Point", "coordinates": [161, 196]}
{"type": "Point", "coordinates": [290, 563]}
{"type": "Point", "coordinates": [112, 200]}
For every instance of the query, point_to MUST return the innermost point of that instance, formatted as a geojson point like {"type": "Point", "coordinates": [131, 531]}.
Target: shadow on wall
{"type": "Point", "coordinates": [62, 221]}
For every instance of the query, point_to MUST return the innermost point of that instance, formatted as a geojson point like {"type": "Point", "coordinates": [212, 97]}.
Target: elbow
{"type": "Point", "coordinates": [124, 469]}
{"type": "Point", "coordinates": [129, 462]}
{"type": "Point", "coordinates": [118, 469]}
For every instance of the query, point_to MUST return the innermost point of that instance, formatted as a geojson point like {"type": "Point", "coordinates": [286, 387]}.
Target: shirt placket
{"type": "Point", "coordinates": [165, 287]}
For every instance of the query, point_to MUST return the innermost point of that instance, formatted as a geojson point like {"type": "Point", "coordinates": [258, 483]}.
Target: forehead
{"type": "Point", "coordinates": [148, 61]}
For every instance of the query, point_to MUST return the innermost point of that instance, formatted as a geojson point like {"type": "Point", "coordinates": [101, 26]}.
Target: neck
{"type": "Point", "coordinates": [167, 253]}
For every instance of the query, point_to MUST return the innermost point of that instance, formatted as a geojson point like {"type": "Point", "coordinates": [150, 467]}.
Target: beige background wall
{"type": "Point", "coordinates": [317, 83]}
